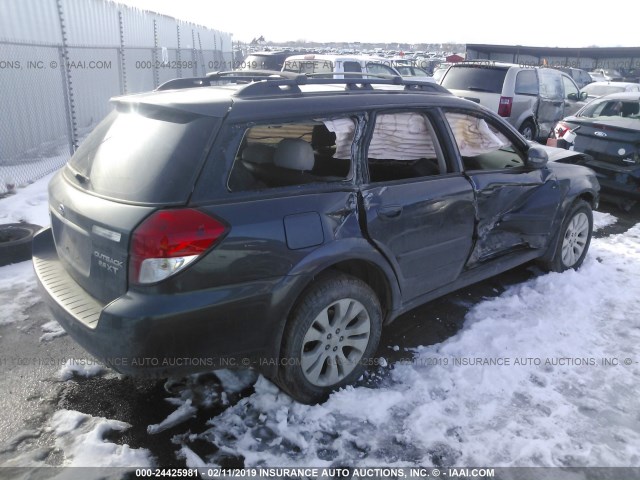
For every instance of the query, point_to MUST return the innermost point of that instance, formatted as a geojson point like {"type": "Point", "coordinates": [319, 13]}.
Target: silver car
{"type": "Point", "coordinates": [532, 99]}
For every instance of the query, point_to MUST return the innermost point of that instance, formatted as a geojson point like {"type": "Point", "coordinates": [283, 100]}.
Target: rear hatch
{"type": "Point", "coordinates": [480, 83]}
{"type": "Point", "coordinates": [138, 159]}
{"type": "Point", "coordinates": [613, 141]}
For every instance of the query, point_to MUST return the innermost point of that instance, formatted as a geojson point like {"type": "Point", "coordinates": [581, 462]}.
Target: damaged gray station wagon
{"type": "Point", "coordinates": [280, 222]}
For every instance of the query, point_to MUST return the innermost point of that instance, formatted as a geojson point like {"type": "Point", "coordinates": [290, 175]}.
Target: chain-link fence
{"type": "Point", "coordinates": [52, 93]}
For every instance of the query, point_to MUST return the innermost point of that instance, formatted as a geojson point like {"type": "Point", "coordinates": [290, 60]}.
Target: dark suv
{"type": "Point", "coordinates": [279, 224]}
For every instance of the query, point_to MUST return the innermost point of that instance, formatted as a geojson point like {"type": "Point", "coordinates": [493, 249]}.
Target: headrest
{"type": "Point", "coordinates": [258, 153]}
{"type": "Point", "coordinates": [294, 154]}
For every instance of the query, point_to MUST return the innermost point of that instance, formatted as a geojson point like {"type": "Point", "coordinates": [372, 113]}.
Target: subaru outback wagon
{"type": "Point", "coordinates": [279, 224]}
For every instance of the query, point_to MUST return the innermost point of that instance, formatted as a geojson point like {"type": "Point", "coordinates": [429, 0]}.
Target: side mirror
{"type": "Point", "coordinates": [537, 157]}
{"type": "Point", "coordinates": [584, 95]}
{"type": "Point", "coordinates": [573, 96]}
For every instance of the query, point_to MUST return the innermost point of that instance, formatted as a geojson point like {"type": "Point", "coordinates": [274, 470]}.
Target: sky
{"type": "Point", "coordinates": [551, 24]}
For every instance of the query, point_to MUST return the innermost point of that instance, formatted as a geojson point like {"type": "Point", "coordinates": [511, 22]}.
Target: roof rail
{"type": "Point", "coordinates": [268, 82]}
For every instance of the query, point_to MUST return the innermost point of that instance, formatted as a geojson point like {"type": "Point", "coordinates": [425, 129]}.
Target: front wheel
{"type": "Point", "coordinates": [333, 333]}
{"type": "Point", "coordinates": [574, 238]}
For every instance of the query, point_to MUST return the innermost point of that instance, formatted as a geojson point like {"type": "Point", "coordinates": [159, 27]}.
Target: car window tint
{"type": "Point", "coordinates": [352, 67]}
{"type": "Point", "coordinates": [527, 83]}
{"type": "Point", "coordinates": [403, 145]}
{"type": "Point", "coordinates": [479, 78]}
{"type": "Point", "coordinates": [481, 144]}
{"type": "Point", "coordinates": [297, 153]}
{"type": "Point", "coordinates": [146, 154]}
{"type": "Point", "coordinates": [569, 87]}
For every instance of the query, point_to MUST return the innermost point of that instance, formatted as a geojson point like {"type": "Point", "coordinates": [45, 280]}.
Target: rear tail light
{"type": "Point", "coordinates": [168, 241]}
{"type": "Point", "coordinates": [561, 129]}
{"type": "Point", "coordinates": [504, 107]}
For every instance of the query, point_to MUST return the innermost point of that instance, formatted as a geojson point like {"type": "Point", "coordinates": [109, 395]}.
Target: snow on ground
{"type": "Point", "coordinates": [18, 292]}
{"type": "Point", "coordinates": [544, 375]}
{"type": "Point", "coordinates": [82, 367]}
{"type": "Point", "coordinates": [601, 220]}
{"type": "Point", "coordinates": [28, 204]}
{"type": "Point", "coordinates": [81, 439]}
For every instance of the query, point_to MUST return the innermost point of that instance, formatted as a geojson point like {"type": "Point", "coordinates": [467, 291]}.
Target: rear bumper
{"type": "Point", "coordinates": [617, 180]}
{"type": "Point", "coordinates": [162, 335]}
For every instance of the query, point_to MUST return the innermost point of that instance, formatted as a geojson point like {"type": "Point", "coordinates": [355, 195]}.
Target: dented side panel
{"type": "Point", "coordinates": [514, 210]}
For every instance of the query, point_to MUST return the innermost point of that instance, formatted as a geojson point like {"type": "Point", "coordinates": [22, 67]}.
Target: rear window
{"type": "Point", "coordinates": [613, 108]}
{"type": "Point", "coordinates": [147, 156]}
{"type": "Point", "coordinates": [479, 78]}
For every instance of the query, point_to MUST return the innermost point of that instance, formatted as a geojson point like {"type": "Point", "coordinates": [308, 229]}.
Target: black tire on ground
{"type": "Point", "coordinates": [528, 130]}
{"type": "Point", "coordinates": [573, 238]}
{"type": "Point", "coordinates": [15, 242]}
{"type": "Point", "coordinates": [332, 334]}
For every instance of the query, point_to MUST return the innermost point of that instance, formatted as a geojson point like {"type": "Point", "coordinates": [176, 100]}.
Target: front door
{"type": "Point", "coordinates": [516, 204]}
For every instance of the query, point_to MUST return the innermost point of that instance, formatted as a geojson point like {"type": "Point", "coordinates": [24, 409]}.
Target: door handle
{"type": "Point", "coordinates": [390, 211]}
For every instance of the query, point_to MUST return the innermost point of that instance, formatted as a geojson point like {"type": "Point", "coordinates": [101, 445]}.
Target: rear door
{"type": "Point", "coordinates": [419, 210]}
{"type": "Point", "coordinates": [516, 205]}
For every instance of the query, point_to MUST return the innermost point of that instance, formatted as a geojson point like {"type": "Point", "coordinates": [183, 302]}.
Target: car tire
{"type": "Point", "coordinates": [573, 238]}
{"type": "Point", "coordinates": [332, 334]}
{"type": "Point", "coordinates": [528, 130]}
{"type": "Point", "coordinates": [15, 242]}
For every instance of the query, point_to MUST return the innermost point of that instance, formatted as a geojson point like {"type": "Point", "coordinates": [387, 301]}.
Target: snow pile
{"type": "Point", "coordinates": [184, 412]}
{"type": "Point", "coordinates": [544, 375]}
{"type": "Point", "coordinates": [82, 367]}
{"type": "Point", "coordinates": [202, 390]}
{"type": "Point", "coordinates": [81, 438]}
{"type": "Point", "coordinates": [602, 220]}
{"type": "Point", "coordinates": [52, 330]}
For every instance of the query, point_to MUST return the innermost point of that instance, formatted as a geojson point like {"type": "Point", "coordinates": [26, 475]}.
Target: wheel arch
{"type": "Point", "coordinates": [364, 263]}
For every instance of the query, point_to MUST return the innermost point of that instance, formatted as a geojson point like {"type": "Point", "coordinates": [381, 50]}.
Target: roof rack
{"type": "Point", "coordinates": [268, 83]}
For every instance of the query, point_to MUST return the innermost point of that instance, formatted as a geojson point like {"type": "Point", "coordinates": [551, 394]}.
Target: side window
{"type": "Point", "coordinates": [481, 144]}
{"type": "Point", "coordinates": [550, 84]}
{"type": "Point", "coordinates": [352, 67]}
{"type": "Point", "coordinates": [404, 145]}
{"type": "Point", "coordinates": [527, 83]}
{"type": "Point", "coordinates": [569, 88]}
{"type": "Point", "coordinates": [297, 153]}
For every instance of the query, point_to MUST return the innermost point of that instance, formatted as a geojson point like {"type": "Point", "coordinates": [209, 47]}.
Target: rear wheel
{"type": "Point", "coordinates": [574, 238]}
{"type": "Point", "coordinates": [333, 333]}
{"type": "Point", "coordinates": [528, 130]}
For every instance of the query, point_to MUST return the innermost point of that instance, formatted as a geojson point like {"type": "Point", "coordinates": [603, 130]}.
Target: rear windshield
{"type": "Point", "coordinates": [146, 156]}
{"type": "Point", "coordinates": [480, 78]}
{"type": "Point", "coordinates": [629, 109]}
